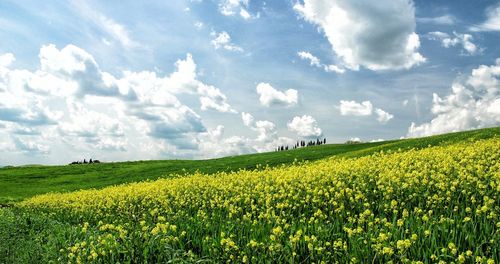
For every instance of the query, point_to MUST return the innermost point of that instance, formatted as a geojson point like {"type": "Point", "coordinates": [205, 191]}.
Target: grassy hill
{"type": "Point", "coordinates": [17, 183]}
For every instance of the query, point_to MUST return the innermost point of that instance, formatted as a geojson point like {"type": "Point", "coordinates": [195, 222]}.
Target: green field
{"type": "Point", "coordinates": [17, 183]}
{"type": "Point", "coordinates": [426, 200]}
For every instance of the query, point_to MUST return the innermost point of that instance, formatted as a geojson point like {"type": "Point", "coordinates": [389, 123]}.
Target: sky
{"type": "Point", "coordinates": [196, 79]}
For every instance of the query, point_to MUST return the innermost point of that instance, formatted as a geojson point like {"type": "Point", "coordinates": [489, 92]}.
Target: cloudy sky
{"type": "Point", "coordinates": [128, 80]}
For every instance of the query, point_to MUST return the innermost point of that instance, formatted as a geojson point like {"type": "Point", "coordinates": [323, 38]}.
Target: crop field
{"type": "Point", "coordinates": [438, 204]}
{"type": "Point", "coordinates": [17, 183]}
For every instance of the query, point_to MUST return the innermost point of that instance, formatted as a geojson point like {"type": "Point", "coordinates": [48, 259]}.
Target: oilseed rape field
{"type": "Point", "coordinates": [434, 205]}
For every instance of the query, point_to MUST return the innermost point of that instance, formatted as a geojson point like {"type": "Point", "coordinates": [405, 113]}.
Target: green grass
{"type": "Point", "coordinates": [17, 183]}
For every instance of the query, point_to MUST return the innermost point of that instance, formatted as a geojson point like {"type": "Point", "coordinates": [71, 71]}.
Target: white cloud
{"type": "Point", "coordinates": [214, 144]}
{"type": "Point", "coordinates": [333, 68]}
{"type": "Point", "coordinates": [473, 103]}
{"type": "Point", "coordinates": [6, 59]}
{"type": "Point", "coordinates": [248, 119]}
{"type": "Point", "coordinates": [160, 91]}
{"type": "Point", "coordinates": [272, 97]}
{"type": "Point", "coordinates": [212, 98]}
{"type": "Point", "coordinates": [315, 61]}
{"type": "Point", "coordinates": [440, 20]}
{"type": "Point", "coordinates": [266, 129]}
{"type": "Point", "coordinates": [354, 108]}
{"type": "Point", "coordinates": [172, 124]}
{"type": "Point", "coordinates": [267, 138]}
{"type": "Point", "coordinates": [365, 108]}
{"type": "Point", "coordinates": [17, 105]}
{"type": "Point", "coordinates": [91, 127]}
{"type": "Point", "coordinates": [223, 40]}
{"type": "Point", "coordinates": [492, 22]}
{"type": "Point", "coordinates": [31, 147]}
{"type": "Point", "coordinates": [383, 116]}
{"type": "Point", "coordinates": [77, 67]}
{"type": "Point", "coordinates": [85, 108]}
{"type": "Point", "coordinates": [305, 126]}
{"type": "Point", "coordinates": [244, 14]}
{"type": "Point", "coordinates": [378, 35]}
{"type": "Point", "coordinates": [117, 31]}
{"type": "Point", "coordinates": [464, 40]}
{"type": "Point", "coordinates": [198, 25]}
{"type": "Point", "coordinates": [233, 7]}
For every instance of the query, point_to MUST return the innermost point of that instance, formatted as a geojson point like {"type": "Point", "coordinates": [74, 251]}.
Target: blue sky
{"type": "Point", "coordinates": [208, 78]}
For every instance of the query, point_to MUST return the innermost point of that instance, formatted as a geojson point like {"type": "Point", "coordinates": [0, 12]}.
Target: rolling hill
{"type": "Point", "coordinates": [17, 183]}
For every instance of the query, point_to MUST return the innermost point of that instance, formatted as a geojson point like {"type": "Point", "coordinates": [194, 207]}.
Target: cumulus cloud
{"type": "Point", "coordinates": [383, 116]}
{"type": "Point", "coordinates": [92, 127]}
{"type": "Point", "coordinates": [268, 96]}
{"type": "Point", "coordinates": [354, 108]}
{"type": "Point", "coordinates": [88, 108]}
{"type": "Point", "coordinates": [234, 145]}
{"type": "Point", "coordinates": [365, 108]}
{"type": "Point", "coordinates": [31, 147]}
{"type": "Point", "coordinates": [473, 103]}
{"type": "Point", "coordinates": [213, 98]}
{"type": "Point", "coordinates": [492, 22]}
{"type": "Point", "coordinates": [171, 123]}
{"type": "Point", "coordinates": [160, 91]}
{"type": "Point", "coordinates": [222, 40]}
{"type": "Point", "coordinates": [305, 126]}
{"type": "Point", "coordinates": [315, 61]}
{"type": "Point", "coordinates": [267, 135]}
{"type": "Point", "coordinates": [464, 40]}
{"type": "Point", "coordinates": [16, 104]}
{"type": "Point", "coordinates": [6, 59]}
{"type": "Point", "coordinates": [22, 112]}
{"type": "Point", "coordinates": [248, 119]}
{"type": "Point", "coordinates": [266, 129]}
{"type": "Point", "coordinates": [213, 139]}
{"type": "Point", "coordinates": [76, 66]}
{"type": "Point", "coordinates": [378, 35]}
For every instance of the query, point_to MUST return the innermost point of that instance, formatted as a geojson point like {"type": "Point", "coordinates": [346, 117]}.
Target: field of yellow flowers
{"type": "Point", "coordinates": [435, 205]}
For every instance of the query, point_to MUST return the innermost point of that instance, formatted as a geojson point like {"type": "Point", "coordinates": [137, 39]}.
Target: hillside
{"type": "Point", "coordinates": [18, 183]}
{"type": "Point", "coordinates": [432, 205]}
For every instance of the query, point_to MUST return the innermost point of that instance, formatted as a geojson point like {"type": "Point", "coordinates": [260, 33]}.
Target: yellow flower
{"type": "Point", "coordinates": [402, 245]}
{"type": "Point", "coordinates": [387, 251]}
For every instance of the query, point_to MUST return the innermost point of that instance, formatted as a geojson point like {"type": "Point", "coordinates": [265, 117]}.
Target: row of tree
{"type": "Point", "coordinates": [303, 143]}
{"type": "Point", "coordinates": [90, 161]}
